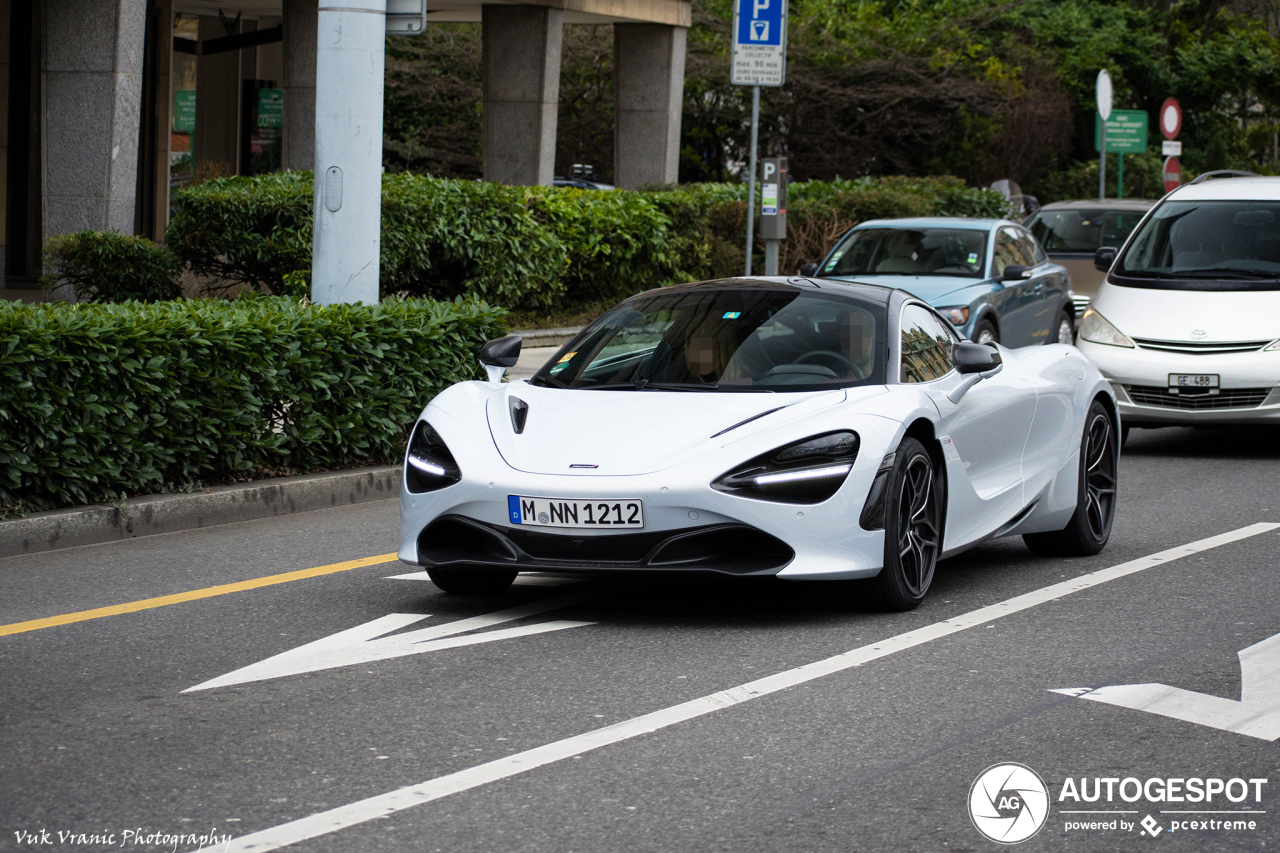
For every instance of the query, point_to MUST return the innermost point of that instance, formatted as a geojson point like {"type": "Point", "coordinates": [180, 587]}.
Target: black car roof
{"type": "Point", "coordinates": [856, 289]}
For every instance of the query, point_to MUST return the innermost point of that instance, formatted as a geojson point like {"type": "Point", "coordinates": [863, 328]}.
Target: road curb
{"type": "Point", "coordinates": [152, 514]}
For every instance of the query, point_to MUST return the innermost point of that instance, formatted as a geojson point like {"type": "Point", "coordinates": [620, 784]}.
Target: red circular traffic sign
{"type": "Point", "coordinates": [1170, 118]}
{"type": "Point", "coordinates": [1172, 174]}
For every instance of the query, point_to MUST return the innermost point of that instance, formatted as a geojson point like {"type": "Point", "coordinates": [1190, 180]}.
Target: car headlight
{"type": "Point", "coordinates": [807, 472]}
{"type": "Point", "coordinates": [428, 464]}
{"type": "Point", "coordinates": [959, 315]}
{"type": "Point", "coordinates": [1096, 329]}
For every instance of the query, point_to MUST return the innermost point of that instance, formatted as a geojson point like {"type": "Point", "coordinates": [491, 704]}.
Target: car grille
{"type": "Point", "coordinates": [1201, 348]}
{"type": "Point", "coordinates": [1226, 398]}
{"type": "Point", "coordinates": [1080, 303]}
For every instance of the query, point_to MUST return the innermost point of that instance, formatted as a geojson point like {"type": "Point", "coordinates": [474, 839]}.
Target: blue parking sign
{"type": "Point", "coordinates": [759, 43]}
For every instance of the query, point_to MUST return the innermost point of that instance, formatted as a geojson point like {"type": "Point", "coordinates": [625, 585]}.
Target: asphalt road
{"type": "Point", "coordinates": [558, 736]}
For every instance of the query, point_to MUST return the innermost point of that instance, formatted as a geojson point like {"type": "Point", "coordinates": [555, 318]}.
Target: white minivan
{"type": "Point", "coordinates": [1187, 324]}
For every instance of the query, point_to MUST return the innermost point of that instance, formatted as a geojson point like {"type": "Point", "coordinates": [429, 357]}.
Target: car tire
{"type": "Point", "coordinates": [913, 529]}
{"type": "Point", "coordinates": [1090, 526]}
{"type": "Point", "coordinates": [985, 332]}
{"type": "Point", "coordinates": [471, 581]}
{"type": "Point", "coordinates": [1065, 327]}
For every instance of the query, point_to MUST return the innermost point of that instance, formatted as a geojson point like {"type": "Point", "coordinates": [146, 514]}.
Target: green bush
{"type": "Point", "coordinates": [107, 266]}
{"type": "Point", "coordinates": [98, 401]}
{"type": "Point", "coordinates": [540, 248]}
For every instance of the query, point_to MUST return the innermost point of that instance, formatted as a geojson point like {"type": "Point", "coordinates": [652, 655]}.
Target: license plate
{"type": "Point", "coordinates": [1193, 380]}
{"type": "Point", "coordinates": [561, 512]}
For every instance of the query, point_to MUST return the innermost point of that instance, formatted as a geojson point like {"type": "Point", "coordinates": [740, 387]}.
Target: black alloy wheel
{"type": "Point", "coordinates": [1090, 526]}
{"type": "Point", "coordinates": [471, 581]}
{"type": "Point", "coordinates": [913, 529]}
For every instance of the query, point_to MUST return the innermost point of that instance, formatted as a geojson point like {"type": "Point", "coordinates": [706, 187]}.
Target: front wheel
{"type": "Point", "coordinates": [1090, 526]}
{"type": "Point", "coordinates": [912, 528]}
{"type": "Point", "coordinates": [471, 581]}
{"type": "Point", "coordinates": [1064, 329]}
{"type": "Point", "coordinates": [985, 332]}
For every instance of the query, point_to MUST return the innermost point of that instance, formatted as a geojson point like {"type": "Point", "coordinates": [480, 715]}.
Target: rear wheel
{"type": "Point", "coordinates": [1090, 527]}
{"type": "Point", "coordinates": [985, 332]}
{"type": "Point", "coordinates": [912, 527]}
{"type": "Point", "coordinates": [471, 581]}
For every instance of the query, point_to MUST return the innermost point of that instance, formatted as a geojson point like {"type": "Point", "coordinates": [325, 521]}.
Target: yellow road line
{"type": "Point", "coordinates": [208, 592]}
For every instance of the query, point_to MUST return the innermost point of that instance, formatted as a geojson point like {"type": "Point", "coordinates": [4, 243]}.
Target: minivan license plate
{"type": "Point", "coordinates": [562, 512]}
{"type": "Point", "coordinates": [1193, 380]}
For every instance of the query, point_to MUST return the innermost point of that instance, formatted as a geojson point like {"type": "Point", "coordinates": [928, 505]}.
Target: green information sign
{"type": "Point", "coordinates": [1126, 132]}
{"type": "Point", "coordinates": [184, 110]}
{"type": "Point", "coordinates": [271, 108]}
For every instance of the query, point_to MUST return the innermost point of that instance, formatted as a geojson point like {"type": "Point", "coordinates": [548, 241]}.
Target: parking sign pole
{"type": "Point", "coordinates": [751, 183]}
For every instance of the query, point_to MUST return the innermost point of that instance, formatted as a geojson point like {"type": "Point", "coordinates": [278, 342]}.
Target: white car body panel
{"type": "Point", "coordinates": [1010, 447]}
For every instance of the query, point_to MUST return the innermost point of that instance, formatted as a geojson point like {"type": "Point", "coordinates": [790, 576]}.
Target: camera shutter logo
{"type": "Point", "coordinates": [1008, 803]}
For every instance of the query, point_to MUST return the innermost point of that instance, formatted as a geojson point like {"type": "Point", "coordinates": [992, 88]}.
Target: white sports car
{"type": "Point", "coordinates": [808, 429]}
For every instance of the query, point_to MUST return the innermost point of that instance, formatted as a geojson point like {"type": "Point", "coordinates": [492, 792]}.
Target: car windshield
{"type": "Point", "coordinates": [1083, 230]}
{"type": "Point", "coordinates": [910, 251]}
{"type": "Point", "coordinates": [731, 339]}
{"type": "Point", "coordinates": [1206, 245]}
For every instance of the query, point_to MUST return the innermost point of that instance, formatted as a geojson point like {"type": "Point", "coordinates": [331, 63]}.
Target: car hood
{"type": "Point", "coordinates": [1191, 315]}
{"type": "Point", "coordinates": [930, 288]}
{"type": "Point", "coordinates": [638, 432]}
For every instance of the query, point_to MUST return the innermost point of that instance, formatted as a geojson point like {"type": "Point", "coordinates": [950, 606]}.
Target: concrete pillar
{"type": "Point", "coordinates": [163, 117]}
{"type": "Point", "coordinates": [648, 81]}
{"type": "Point", "coordinates": [521, 47]}
{"type": "Point", "coordinates": [92, 98]}
{"type": "Point", "coordinates": [299, 82]}
{"type": "Point", "coordinates": [216, 141]}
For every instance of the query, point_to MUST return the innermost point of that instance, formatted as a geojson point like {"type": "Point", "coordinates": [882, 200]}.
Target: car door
{"type": "Point", "coordinates": [1018, 298]}
{"type": "Point", "coordinates": [1049, 286]}
{"type": "Point", "coordinates": [982, 434]}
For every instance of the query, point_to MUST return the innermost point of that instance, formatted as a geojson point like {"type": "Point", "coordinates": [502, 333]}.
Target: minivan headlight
{"type": "Point", "coordinates": [806, 472]}
{"type": "Point", "coordinates": [428, 464]}
{"type": "Point", "coordinates": [1097, 329]}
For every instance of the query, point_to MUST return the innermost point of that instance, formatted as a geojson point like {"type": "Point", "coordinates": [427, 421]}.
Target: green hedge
{"type": "Point", "coordinates": [99, 401]}
{"type": "Point", "coordinates": [107, 266]}
{"type": "Point", "coordinates": [535, 247]}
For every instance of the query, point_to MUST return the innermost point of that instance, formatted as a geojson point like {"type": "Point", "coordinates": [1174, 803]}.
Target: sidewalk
{"type": "Point", "coordinates": [152, 514]}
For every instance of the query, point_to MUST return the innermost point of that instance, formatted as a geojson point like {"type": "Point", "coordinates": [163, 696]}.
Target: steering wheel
{"type": "Point", "coordinates": [842, 359]}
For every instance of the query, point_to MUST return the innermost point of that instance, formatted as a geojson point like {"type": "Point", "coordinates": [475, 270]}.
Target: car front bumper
{"type": "Point", "coordinates": [1248, 393]}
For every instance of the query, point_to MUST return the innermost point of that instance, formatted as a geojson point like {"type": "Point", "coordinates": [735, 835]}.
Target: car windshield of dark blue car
{"type": "Point", "coordinates": [735, 339]}
{"type": "Point", "coordinates": [909, 251]}
{"type": "Point", "coordinates": [1205, 245]}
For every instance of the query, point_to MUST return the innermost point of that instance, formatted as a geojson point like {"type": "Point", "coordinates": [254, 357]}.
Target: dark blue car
{"type": "Point", "coordinates": [989, 277]}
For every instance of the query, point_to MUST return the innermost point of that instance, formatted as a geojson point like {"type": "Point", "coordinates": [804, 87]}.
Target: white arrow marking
{"type": "Point", "coordinates": [1257, 714]}
{"type": "Point", "coordinates": [360, 644]}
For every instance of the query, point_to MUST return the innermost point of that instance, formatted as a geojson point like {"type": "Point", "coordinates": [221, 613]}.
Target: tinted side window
{"type": "Point", "coordinates": [926, 346]}
{"type": "Point", "coordinates": [1008, 252]}
{"type": "Point", "coordinates": [1031, 248]}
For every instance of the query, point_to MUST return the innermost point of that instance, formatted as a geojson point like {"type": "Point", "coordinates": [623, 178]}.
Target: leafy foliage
{"type": "Point", "coordinates": [543, 248]}
{"type": "Point", "coordinates": [99, 401]}
{"type": "Point", "coordinates": [106, 266]}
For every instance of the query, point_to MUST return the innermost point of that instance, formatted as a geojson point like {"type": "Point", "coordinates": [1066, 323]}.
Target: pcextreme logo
{"type": "Point", "coordinates": [1008, 803]}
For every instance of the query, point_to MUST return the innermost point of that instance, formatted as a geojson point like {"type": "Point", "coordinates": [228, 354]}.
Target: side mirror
{"type": "Point", "coordinates": [1104, 258]}
{"type": "Point", "coordinates": [498, 355]}
{"type": "Point", "coordinates": [808, 270]}
{"type": "Point", "coordinates": [975, 362]}
{"type": "Point", "coordinates": [1015, 272]}
{"type": "Point", "coordinates": [974, 358]}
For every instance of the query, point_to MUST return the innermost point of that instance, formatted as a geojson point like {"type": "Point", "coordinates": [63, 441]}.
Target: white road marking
{"type": "Point", "coordinates": [1257, 714]}
{"type": "Point", "coordinates": [323, 823]}
{"type": "Point", "coordinates": [360, 645]}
